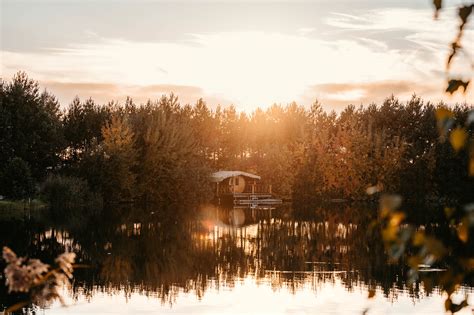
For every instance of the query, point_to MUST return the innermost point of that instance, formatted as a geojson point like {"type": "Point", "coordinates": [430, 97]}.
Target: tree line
{"type": "Point", "coordinates": [163, 151]}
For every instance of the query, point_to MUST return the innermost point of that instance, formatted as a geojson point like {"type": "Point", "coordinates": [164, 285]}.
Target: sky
{"type": "Point", "coordinates": [246, 53]}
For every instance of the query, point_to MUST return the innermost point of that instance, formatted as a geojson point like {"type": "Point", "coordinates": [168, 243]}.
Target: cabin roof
{"type": "Point", "coordinates": [221, 175]}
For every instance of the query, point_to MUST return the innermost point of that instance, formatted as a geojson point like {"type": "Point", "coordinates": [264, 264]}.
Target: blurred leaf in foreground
{"type": "Point", "coordinates": [458, 138]}
{"type": "Point", "coordinates": [455, 84]}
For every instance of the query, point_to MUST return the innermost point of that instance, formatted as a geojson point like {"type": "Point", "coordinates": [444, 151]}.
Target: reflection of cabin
{"type": "Point", "coordinates": [242, 188]}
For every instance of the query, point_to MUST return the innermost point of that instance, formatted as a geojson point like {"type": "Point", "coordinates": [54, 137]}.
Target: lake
{"type": "Point", "coordinates": [233, 261]}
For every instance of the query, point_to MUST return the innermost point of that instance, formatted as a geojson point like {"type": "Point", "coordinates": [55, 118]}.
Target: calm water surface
{"type": "Point", "coordinates": [235, 261]}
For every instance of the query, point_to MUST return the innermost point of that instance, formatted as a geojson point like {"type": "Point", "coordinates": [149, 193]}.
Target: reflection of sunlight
{"type": "Point", "coordinates": [249, 297]}
{"type": "Point", "coordinates": [215, 230]}
{"type": "Point", "coordinates": [62, 237]}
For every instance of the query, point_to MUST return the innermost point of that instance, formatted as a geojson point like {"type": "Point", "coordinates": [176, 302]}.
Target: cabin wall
{"type": "Point", "coordinates": [250, 185]}
{"type": "Point", "coordinates": [237, 184]}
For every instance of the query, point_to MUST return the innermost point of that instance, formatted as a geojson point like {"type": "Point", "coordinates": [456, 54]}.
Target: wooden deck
{"type": "Point", "coordinates": [252, 195]}
{"type": "Point", "coordinates": [249, 199]}
{"type": "Point", "coordinates": [255, 199]}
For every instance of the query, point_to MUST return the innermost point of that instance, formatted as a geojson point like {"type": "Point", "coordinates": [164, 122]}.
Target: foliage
{"type": "Point", "coordinates": [170, 169]}
{"type": "Point", "coordinates": [41, 282]}
{"type": "Point", "coordinates": [16, 181]}
{"type": "Point", "coordinates": [30, 125]}
{"type": "Point", "coordinates": [425, 250]}
{"type": "Point", "coordinates": [464, 13]}
{"type": "Point", "coordinates": [422, 249]}
{"type": "Point", "coordinates": [120, 160]}
{"type": "Point", "coordinates": [69, 197]}
{"type": "Point", "coordinates": [18, 210]}
{"type": "Point", "coordinates": [147, 153]}
{"type": "Point", "coordinates": [82, 124]}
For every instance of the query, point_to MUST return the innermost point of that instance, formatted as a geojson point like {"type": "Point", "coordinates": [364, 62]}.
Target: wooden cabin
{"type": "Point", "coordinates": [242, 188]}
{"type": "Point", "coordinates": [229, 182]}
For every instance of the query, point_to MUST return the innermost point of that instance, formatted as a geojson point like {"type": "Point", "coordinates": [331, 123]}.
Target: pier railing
{"type": "Point", "coordinates": [249, 189]}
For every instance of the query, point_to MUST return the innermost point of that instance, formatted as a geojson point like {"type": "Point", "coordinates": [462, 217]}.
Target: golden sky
{"type": "Point", "coordinates": [247, 53]}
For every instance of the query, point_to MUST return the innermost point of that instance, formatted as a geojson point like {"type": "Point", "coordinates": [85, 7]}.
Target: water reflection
{"type": "Point", "coordinates": [248, 297]}
{"type": "Point", "coordinates": [218, 250]}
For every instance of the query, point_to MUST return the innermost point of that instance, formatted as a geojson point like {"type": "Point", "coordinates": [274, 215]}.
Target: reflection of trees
{"type": "Point", "coordinates": [163, 258]}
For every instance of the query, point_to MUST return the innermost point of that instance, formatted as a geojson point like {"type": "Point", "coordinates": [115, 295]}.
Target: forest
{"type": "Point", "coordinates": [162, 152]}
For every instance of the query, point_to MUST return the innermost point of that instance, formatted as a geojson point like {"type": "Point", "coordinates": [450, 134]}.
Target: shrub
{"type": "Point", "coordinates": [16, 181]}
{"type": "Point", "coordinates": [69, 197]}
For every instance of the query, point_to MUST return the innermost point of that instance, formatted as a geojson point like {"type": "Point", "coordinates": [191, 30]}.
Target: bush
{"type": "Point", "coordinates": [69, 197]}
{"type": "Point", "coordinates": [16, 181]}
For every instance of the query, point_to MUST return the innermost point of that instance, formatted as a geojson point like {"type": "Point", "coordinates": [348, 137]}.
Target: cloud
{"type": "Point", "coordinates": [106, 92]}
{"type": "Point", "coordinates": [338, 95]}
{"type": "Point", "coordinates": [333, 96]}
{"type": "Point", "coordinates": [257, 68]}
{"type": "Point", "coordinates": [249, 68]}
{"type": "Point", "coordinates": [390, 19]}
{"type": "Point", "coordinates": [417, 26]}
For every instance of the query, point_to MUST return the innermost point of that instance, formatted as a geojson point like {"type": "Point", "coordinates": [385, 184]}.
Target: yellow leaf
{"type": "Point", "coordinates": [390, 233]}
{"type": "Point", "coordinates": [435, 247]}
{"type": "Point", "coordinates": [390, 202]}
{"type": "Point", "coordinates": [463, 231]}
{"type": "Point", "coordinates": [447, 304]}
{"type": "Point", "coordinates": [443, 113]}
{"type": "Point", "coordinates": [469, 264]}
{"type": "Point", "coordinates": [449, 212]}
{"type": "Point", "coordinates": [384, 212]}
{"type": "Point", "coordinates": [414, 262]}
{"type": "Point", "coordinates": [371, 293]}
{"type": "Point", "coordinates": [458, 138]}
{"type": "Point", "coordinates": [397, 218]}
{"type": "Point", "coordinates": [418, 238]}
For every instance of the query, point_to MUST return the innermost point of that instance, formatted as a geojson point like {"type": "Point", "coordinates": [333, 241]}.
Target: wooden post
{"type": "Point", "coordinates": [270, 188]}
{"type": "Point", "coordinates": [253, 187]}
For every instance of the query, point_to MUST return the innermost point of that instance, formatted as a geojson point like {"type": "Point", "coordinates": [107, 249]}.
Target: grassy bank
{"type": "Point", "coordinates": [17, 209]}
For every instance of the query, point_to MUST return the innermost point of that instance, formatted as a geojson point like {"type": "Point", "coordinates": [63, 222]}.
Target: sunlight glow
{"type": "Point", "coordinates": [256, 68]}
{"type": "Point", "coordinates": [250, 297]}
